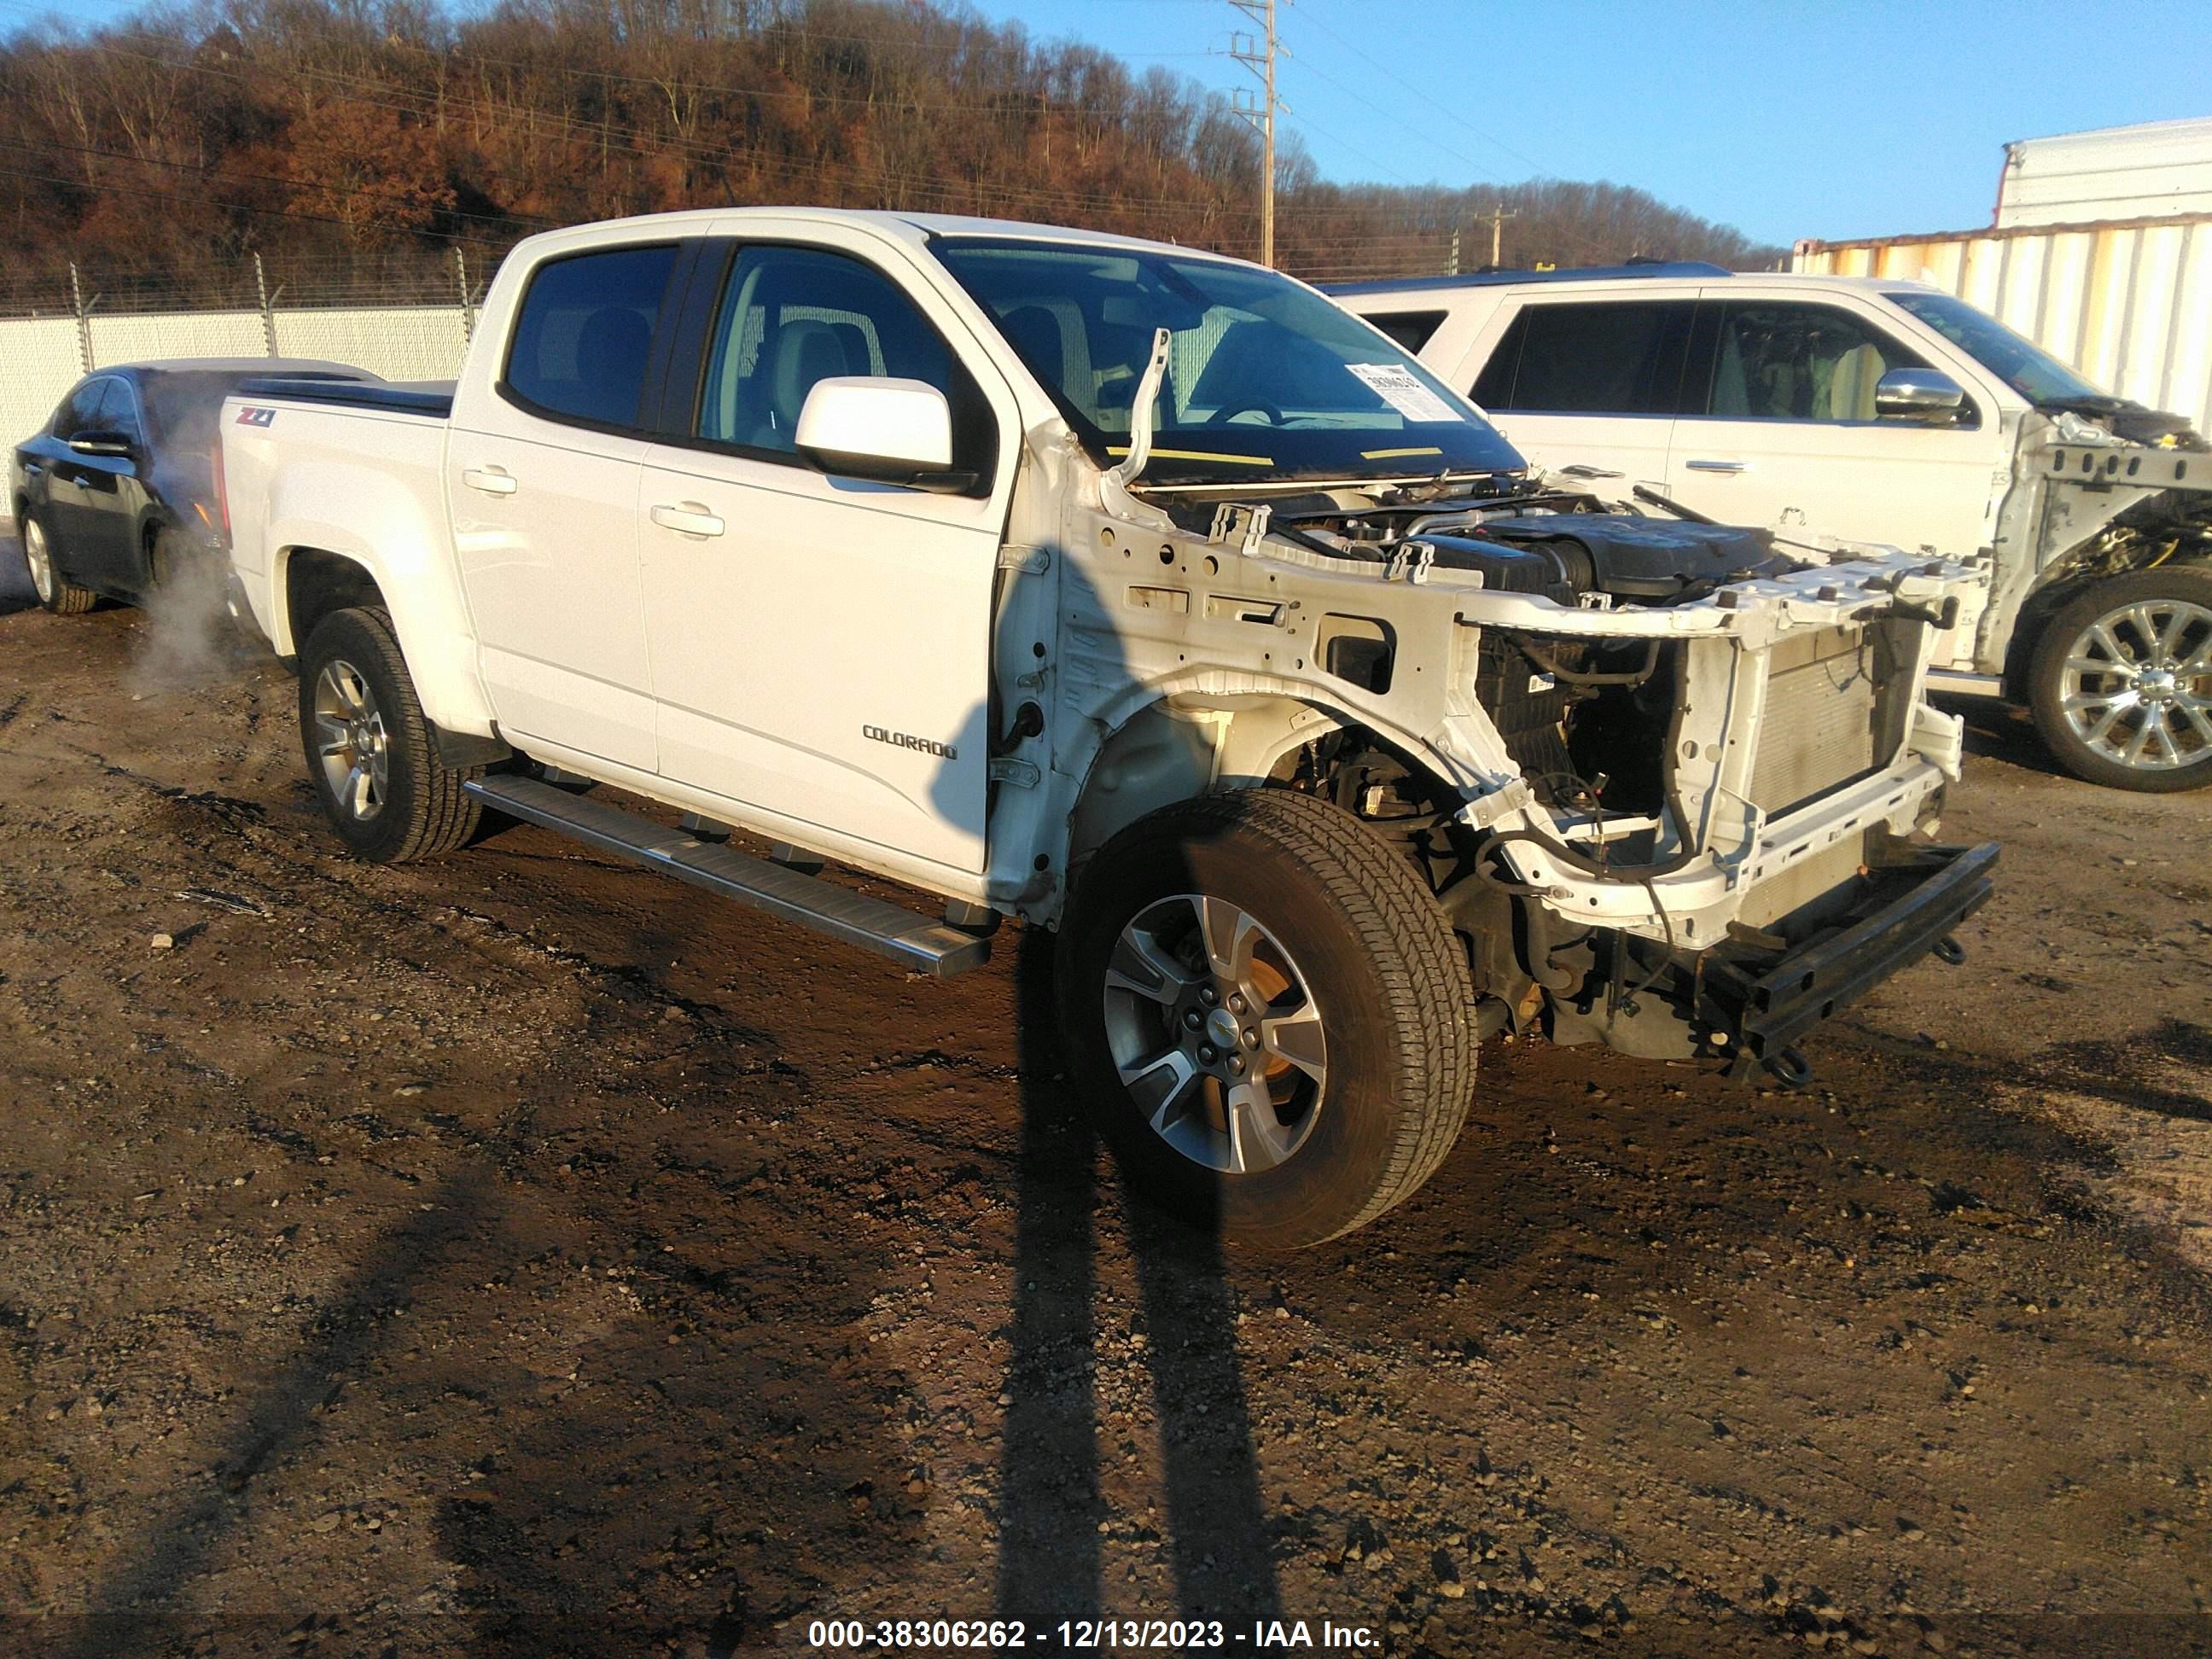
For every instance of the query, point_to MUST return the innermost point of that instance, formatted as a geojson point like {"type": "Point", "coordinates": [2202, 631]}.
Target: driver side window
{"type": "Point", "coordinates": [1800, 362]}
{"type": "Point", "coordinates": [791, 318]}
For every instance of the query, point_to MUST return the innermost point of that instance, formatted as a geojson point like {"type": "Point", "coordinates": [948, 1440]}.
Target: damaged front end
{"type": "Point", "coordinates": [1676, 787]}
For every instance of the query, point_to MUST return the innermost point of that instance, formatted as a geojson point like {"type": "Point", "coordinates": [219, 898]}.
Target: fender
{"type": "Point", "coordinates": [411, 563]}
{"type": "Point", "coordinates": [1187, 734]}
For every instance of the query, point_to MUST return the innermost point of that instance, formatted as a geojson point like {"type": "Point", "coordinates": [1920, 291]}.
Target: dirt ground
{"type": "Point", "coordinates": [520, 1254]}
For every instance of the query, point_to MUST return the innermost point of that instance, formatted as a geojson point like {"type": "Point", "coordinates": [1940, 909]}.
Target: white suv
{"type": "Point", "coordinates": [1871, 409]}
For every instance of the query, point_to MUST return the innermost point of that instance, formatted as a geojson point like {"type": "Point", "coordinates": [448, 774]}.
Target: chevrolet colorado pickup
{"type": "Point", "coordinates": [1138, 593]}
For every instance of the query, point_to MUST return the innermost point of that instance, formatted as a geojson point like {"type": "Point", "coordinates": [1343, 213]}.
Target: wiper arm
{"type": "Point", "coordinates": [1140, 413]}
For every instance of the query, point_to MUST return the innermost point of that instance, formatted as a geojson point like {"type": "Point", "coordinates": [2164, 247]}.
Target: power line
{"type": "Point", "coordinates": [1452, 114]}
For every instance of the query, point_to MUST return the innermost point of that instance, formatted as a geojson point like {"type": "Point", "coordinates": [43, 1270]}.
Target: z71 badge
{"type": "Point", "coordinates": [252, 417]}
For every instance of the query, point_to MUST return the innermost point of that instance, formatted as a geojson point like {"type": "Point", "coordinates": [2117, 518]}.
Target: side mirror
{"type": "Point", "coordinates": [100, 441]}
{"type": "Point", "coordinates": [1917, 394]}
{"type": "Point", "coordinates": [865, 426]}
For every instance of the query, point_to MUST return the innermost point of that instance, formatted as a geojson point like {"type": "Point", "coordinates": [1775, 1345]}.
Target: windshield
{"type": "Point", "coordinates": [1265, 379]}
{"type": "Point", "coordinates": [2021, 364]}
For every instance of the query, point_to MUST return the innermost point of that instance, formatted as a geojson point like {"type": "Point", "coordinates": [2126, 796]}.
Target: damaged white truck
{"type": "Point", "coordinates": [1136, 592]}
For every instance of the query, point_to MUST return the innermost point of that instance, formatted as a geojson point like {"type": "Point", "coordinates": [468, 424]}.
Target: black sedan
{"type": "Point", "coordinates": [119, 491]}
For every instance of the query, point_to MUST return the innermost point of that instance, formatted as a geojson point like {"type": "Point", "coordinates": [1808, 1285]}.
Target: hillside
{"type": "Point", "coordinates": [353, 144]}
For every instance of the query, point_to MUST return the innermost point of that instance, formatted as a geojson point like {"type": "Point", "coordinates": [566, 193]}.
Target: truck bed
{"type": "Point", "coordinates": [432, 398]}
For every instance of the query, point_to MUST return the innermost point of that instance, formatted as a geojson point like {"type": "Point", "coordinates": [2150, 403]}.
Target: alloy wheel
{"type": "Point", "coordinates": [2137, 689]}
{"type": "Point", "coordinates": [1216, 1033]}
{"type": "Point", "coordinates": [40, 559]}
{"type": "Point", "coordinates": [350, 740]}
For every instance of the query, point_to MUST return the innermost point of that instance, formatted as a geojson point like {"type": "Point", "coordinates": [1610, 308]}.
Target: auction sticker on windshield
{"type": "Point", "coordinates": [1402, 389]}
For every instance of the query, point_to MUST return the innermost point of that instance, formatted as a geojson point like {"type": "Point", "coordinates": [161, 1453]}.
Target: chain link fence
{"type": "Point", "coordinates": [404, 325]}
{"type": "Point", "coordinates": [409, 320]}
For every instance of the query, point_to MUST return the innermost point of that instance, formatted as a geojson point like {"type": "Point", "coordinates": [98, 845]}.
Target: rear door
{"type": "Point", "coordinates": [1782, 430]}
{"type": "Point", "coordinates": [1589, 382]}
{"type": "Point", "coordinates": [821, 645]}
{"type": "Point", "coordinates": [541, 476]}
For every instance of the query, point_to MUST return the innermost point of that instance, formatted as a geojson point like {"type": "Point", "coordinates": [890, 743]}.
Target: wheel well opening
{"type": "Point", "coordinates": [317, 583]}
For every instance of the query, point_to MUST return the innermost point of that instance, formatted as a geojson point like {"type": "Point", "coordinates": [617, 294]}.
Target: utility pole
{"type": "Point", "coordinates": [1498, 215]}
{"type": "Point", "coordinates": [1258, 54]}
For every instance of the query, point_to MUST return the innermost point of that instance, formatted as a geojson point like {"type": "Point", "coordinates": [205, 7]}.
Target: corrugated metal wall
{"type": "Point", "coordinates": [2160, 170]}
{"type": "Point", "coordinates": [2128, 305]}
{"type": "Point", "coordinates": [41, 357]}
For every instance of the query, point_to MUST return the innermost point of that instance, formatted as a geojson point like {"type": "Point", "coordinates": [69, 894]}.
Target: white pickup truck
{"type": "Point", "coordinates": [1885, 410]}
{"type": "Point", "coordinates": [1136, 592]}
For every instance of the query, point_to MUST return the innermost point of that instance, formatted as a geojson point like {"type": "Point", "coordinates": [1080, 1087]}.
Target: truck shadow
{"type": "Point", "coordinates": [137, 1608]}
{"type": "Point", "coordinates": [597, 1382]}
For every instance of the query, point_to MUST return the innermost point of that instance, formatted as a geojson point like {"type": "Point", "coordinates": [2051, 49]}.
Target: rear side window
{"type": "Point", "coordinates": [118, 412]}
{"type": "Point", "coordinates": [583, 333]}
{"type": "Point", "coordinates": [1410, 329]}
{"type": "Point", "coordinates": [1599, 358]}
{"type": "Point", "coordinates": [80, 410]}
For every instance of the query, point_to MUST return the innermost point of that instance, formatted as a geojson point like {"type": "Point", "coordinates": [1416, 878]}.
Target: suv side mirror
{"type": "Point", "coordinates": [100, 441]}
{"type": "Point", "coordinates": [866, 426]}
{"type": "Point", "coordinates": [1918, 393]}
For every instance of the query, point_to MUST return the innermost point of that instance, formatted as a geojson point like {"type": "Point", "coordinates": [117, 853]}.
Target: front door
{"type": "Point", "coordinates": [821, 645]}
{"type": "Point", "coordinates": [87, 496]}
{"type": "Point", "coordinates": [1786, 435]}
{"type": "Point", "coordinates": [541, 476]}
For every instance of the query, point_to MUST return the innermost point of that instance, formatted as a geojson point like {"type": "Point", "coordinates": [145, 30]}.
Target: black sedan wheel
{"type": "Point", "coordinates": [56, 590]}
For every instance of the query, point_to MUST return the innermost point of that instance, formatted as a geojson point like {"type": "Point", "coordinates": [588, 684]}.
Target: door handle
{"type": "Point", "coordinates": [689, 519]}
{"type": "Point", "coordinates": [1715, 466]}
{"type": "Point", "coordinates": [492, 480]}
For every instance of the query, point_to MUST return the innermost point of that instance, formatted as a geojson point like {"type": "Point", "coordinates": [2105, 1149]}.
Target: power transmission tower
{"type": "Point", "coordinates": [1258, 54]}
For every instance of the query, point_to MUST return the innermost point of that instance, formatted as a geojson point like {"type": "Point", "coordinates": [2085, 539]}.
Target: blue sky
{"type": "Point", "coordinates": [1852, 118]}
{"type": "Point", "coordinates": [1784, 117]}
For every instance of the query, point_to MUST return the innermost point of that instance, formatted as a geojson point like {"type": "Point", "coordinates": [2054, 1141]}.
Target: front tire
{"type": "Point", "coordinates": [1268, 1016]}
{"type": "Point", "coordinates": [56, 590]}
{"type": "Point", "coordinates": [369, 751]}
{"type": "Point", "coordinates": [2121, 682]}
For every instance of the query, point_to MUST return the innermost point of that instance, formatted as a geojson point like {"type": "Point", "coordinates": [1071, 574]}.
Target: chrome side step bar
{"type": "Point", "coordinates": [924, 944]}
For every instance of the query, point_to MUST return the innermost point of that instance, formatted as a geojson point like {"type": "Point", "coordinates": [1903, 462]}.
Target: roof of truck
{"type": "Point", "coordinates": [916, 228]}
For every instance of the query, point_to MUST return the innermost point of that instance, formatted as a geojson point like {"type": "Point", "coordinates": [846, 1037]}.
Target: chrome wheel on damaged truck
{"type": "Point", "coordinates": [1267, 1014]}
{"type": "Point", "coordinates": [2121, 685]}
{"type": "Point", "coordinates": [369, 749]}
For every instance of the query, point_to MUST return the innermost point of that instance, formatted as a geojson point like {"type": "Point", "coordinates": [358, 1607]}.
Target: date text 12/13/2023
{"type": "Point", "coordinates": [1082, 1635]}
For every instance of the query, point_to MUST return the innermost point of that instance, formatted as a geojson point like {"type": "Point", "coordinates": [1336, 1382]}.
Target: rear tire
{"type": "Point", "coordinates": [2121, 682]}
{"type": "Point", "coordinates": [54, 590]}
{"type": "Point", "coordinates": [1346, 999]}
{"type": "Point", "coordinates": [370, 755]}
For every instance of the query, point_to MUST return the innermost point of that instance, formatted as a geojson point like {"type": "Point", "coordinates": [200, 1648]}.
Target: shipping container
{"type": "Point", "coordinates": [2128, 304]}
{"type": "Point", "coordinates": [2161, 170]}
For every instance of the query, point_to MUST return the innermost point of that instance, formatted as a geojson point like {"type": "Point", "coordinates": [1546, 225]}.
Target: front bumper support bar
{"type": "Point", "coordinates": [1809, 984]}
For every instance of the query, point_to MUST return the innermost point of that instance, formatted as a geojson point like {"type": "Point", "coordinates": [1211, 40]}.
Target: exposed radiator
{"type": "Point", "coordinates": [1818, 728]}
